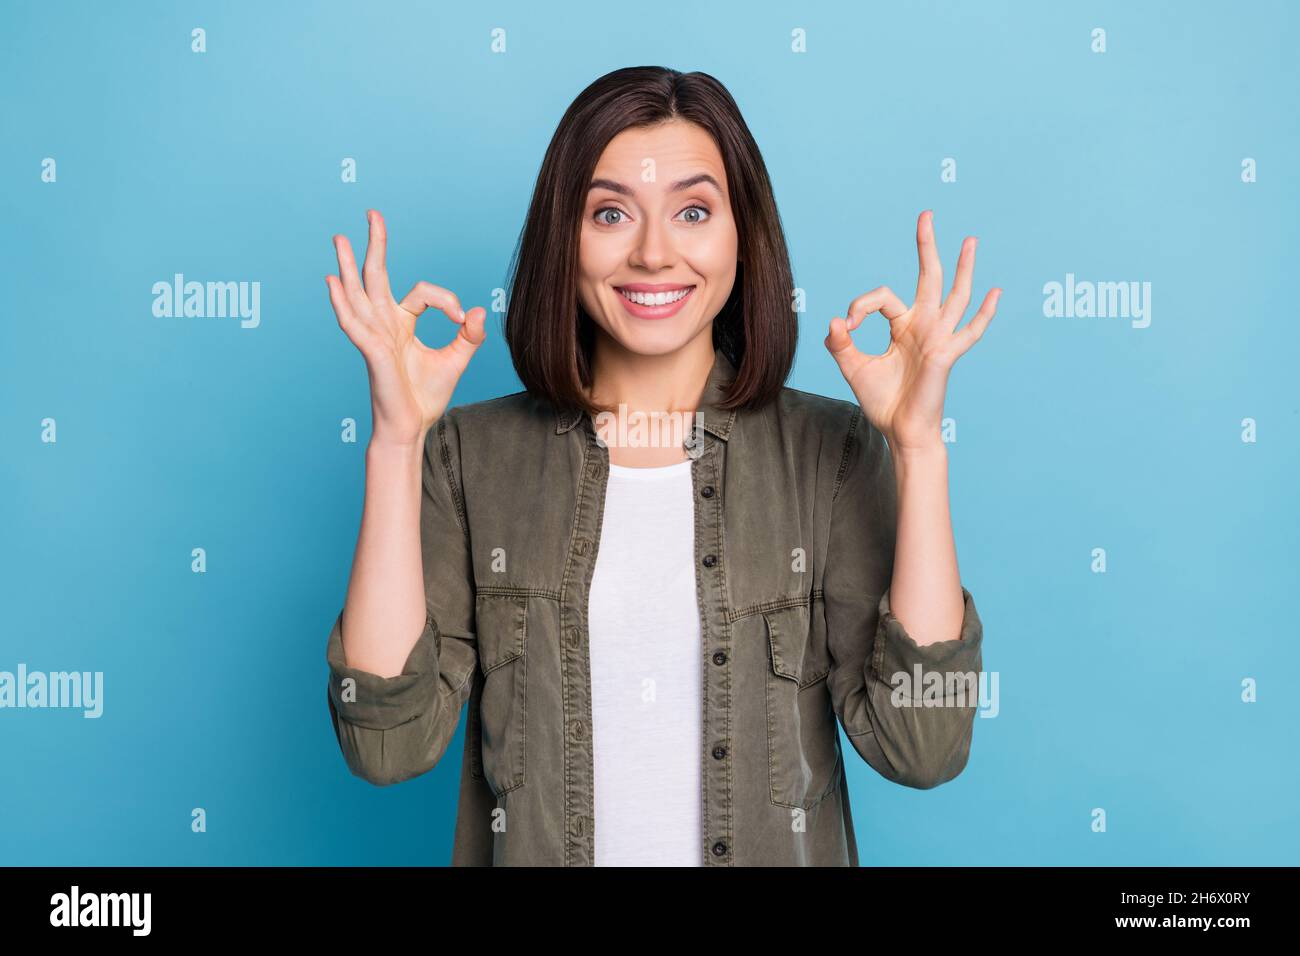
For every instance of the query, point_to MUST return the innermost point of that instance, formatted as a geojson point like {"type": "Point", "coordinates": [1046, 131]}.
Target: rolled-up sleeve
{"type": "Point", "coordinates": [908, 709]}
{"type": "Point", "coordinates": [391, 729]}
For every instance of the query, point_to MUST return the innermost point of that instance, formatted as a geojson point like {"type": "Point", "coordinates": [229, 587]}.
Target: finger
{"type": "Point", "coordinates": [880, 299]}
{"type": "Point", "coordinates": [974, 329]}
{"type": "Point", "coordinates": [376, 269]}
{"type": "Point", "coordinates": [426, 295]}
{"type": "Point", "coordinates": [339, 300]}
{"type": "Point", "coordinates": [959, 296]}
{"type": "Point", "coordinates": [838, 341]}
{"type": "Point", "coordinates": [929, 284]}
{"type": "Point", "coordinates": [469, 336]}
{"type": "Point", "coordinates": [348, 270]}
{"type": "Point", "coordinates": [354, 328]}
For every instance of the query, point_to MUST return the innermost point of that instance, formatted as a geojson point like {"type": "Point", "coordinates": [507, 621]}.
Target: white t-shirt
{"type": "Point", "coordinates": [644, 626]}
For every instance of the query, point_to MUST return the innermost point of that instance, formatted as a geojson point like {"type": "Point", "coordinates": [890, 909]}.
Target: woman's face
{"type": "Point", "coordinates": [656, 225]}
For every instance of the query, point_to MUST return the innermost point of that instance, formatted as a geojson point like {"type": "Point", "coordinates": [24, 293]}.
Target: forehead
{"type": "Point", "coordinates": [677, 148]}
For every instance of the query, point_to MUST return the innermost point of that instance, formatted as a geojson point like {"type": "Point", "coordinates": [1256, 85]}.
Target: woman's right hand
{"type": "Point", "coordinates": [410, 383]}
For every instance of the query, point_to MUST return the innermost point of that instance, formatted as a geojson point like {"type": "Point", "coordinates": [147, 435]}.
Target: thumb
{"type": "Point", "coordinates": [470, 335]}
{"type": "Point", "coordinates": [475, 325]}
{"type": "Point", "coordinates": [838, 341]}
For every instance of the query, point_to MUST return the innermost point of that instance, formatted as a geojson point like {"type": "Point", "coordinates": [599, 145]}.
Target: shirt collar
{"type": "Point", "coordinates": [717, 420]}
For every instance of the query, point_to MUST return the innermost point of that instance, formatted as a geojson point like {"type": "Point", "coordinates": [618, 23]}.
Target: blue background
{"type": "Point", "coordinates": [1118, 690]}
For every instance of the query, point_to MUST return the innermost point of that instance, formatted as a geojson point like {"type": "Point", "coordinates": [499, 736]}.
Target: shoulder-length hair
{"type": "Point", "coordinates": [550, 335]}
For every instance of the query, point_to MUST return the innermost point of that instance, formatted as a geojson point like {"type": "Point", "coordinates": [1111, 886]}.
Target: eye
{"type": "Point", "coordinates": [605, 222]}
{"type": "Point", "coordinates": [697, 219]}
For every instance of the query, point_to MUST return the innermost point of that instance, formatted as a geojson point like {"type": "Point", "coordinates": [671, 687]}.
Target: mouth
{"type": "Point", "coordinates": [654, 302]}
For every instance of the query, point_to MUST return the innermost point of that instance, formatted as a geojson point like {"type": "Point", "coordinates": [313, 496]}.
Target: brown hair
{"type": "Point", "coordinates": [550, 335]}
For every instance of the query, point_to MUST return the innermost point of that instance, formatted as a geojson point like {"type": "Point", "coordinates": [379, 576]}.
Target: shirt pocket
{"type": "Point", "coordinates": [803, 744]}
{"type": "Point", "coordinates": [501, 625]}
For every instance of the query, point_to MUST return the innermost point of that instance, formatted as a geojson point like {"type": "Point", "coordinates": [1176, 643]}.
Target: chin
{"type": "Point", "coordinates": [655, 339]}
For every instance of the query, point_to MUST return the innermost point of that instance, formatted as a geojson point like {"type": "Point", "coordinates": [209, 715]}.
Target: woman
{"type": "Point", "coordinates": [658, 639]}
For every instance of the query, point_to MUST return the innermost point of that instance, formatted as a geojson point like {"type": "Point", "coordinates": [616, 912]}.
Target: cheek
{"type": "Point", "coordinates": [599, 253]}
{"type": "Point", "coordinates": [715, 255]}
{"type": "Point", "coordinates": [719, 268]}
{"type": "Point", "coordinates": [591, 274]}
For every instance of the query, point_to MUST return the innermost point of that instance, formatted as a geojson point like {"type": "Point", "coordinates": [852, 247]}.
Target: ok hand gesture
{"type": "Point", "coordinates": [901, 392]}
{"type": "Point", "coordinates": [410, 383]}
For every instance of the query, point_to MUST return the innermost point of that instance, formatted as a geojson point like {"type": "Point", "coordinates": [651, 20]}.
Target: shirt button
{"type": "Point", "coordinates": [719, 657]}
{"type": "Point", "coordinates": [578, 729]}
{"type": "Point", "coordinates": [719, 753]}
{"type": "Point", "coordinates": [707, 491]}
{"type": "Point", "coordinates": [575, 640]}
{"type": "Point", "coordinates": [719, 849]}
{"type": "Point", "coordinates": [710, 560]}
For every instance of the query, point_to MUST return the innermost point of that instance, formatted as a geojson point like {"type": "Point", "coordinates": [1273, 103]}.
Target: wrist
{"type": "Point", "coordinates": [383, 447]}
{"type": "Point", "coordinates": [933, 454]}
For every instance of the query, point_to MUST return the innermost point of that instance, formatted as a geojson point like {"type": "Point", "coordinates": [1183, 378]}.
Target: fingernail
{"type": "Point", "coordinates": [462, 315]}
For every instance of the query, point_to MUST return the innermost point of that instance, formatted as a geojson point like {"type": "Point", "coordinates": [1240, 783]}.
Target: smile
{"type": "Point", "coordinates": [657, 304]}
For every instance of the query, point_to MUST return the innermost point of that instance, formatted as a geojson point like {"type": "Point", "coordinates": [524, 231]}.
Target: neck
{"type": "Point", "coordinates": [673, 382]}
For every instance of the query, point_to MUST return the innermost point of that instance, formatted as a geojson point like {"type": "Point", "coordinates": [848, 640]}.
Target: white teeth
{"type": "Point", "coordinates": [655, 298]}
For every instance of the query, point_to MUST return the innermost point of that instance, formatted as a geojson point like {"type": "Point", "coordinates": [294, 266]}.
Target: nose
{"type": "Point", "coordinates": [654, 246]}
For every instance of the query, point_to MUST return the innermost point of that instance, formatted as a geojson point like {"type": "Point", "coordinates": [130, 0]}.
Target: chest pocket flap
{"type": "Point", "coordinates": [794, 653]}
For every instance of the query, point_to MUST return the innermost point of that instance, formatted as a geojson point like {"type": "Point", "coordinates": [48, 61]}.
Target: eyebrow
{"type": "Point", "coordinates": [678, 186]}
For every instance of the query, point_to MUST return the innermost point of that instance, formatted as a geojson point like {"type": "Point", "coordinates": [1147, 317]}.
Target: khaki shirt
{"type": "Point", "coordinates": [795, 524]}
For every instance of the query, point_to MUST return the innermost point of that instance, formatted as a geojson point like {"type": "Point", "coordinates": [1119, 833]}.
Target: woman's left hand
{"type": "Point", "coordinates": [902, 391]}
